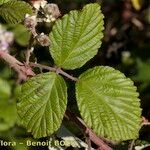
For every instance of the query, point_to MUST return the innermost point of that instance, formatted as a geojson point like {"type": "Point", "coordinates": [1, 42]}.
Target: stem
{"type": "Point", "coordinates": [93, 137]}
{"type": "Point", "coordinates": [67, 75]}
{"type": "Point", "coordinates": [88, 140]}
{"type": "Point", "coordinates": [42, 67]}
{"type": "Point", "coordinates": [145, 123]}
{"type": "Point", "coordinates": [53, 69]}
{"type": "Point", "coordinates": [22, 70]}
{"type": "Point", "coordinates": [131, 145]}
{"type": "Point", "coordinates": [29, 49]}
{"type": "Point", "coordinates": [9, 59]}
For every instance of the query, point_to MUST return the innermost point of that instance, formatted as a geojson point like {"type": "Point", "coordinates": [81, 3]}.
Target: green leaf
{"type": "Point", "coordinates": [143, 71]}
{"type": "Point", "coordinates": [42, 104]}
{"type": "Point", "coordinates": [5, 90]}
{"type": "Point", "coordinates": [14, 11]}
{"type": "Point", "coordinates": [21, 146]}
{"type": "Point", "coordinates": [22, 35]}
{"type": "Point", "coordinates": [108, 103]}
{"type": "Point", "coordinates": [7, 114]}
{"type": "Point", "coordinates": [3, 1]}
{"type": "Point", "coordinates": [77, 36]}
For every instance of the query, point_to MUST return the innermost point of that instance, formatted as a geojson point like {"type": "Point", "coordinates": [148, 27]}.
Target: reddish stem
{"type": "Point", "coordinates": [23, 70]}
{"type": "Point", "coordinates": [93, 137]}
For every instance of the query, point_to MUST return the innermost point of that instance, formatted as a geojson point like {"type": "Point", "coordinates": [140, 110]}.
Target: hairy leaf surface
{"type": "Point", "coordinates": [14, 11]}
{"type": "Point", "coordinates": [42, 104]}
{"type": "Point", "coordinates": [109, 103]}
{"type": "Point", "coordinates": [77, 36]}
{"type": "Point", "coordinates": [3, 1]}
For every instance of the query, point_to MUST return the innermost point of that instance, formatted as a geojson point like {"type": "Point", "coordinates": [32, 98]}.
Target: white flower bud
{"type": "Point", "coordinates": [52, 9]}
{"type": "Point", "coordinates": [43, 39]}
{"type": "Point", "coordinates": [6, 38]}
{"type": "Point", "coordinates": [9, 37]}
{"type": "Point", "coordinates": [39, 3]}
{"type": "Point", "coordinates": [126, 54]}
{"type": "Point", "coordinates": [53, 19]}
{"type": "Point", "coordinates": [4, 46]}
{"type": "Point", "coordinates": [30, 21]}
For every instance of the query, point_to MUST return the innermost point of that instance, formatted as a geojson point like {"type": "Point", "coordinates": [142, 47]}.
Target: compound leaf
{"type": "Point", "coordinates": [14, 11]}
{"type": "Point", "coordinates": [42, 104]}
{"type": "Point", "coordinates": [108, 103]}
{"type": "Point", "coordinates": [77, 36]}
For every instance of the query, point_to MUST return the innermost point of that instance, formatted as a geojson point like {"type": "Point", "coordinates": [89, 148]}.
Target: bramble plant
{"type": "Point", "coordinates": [107, 100]}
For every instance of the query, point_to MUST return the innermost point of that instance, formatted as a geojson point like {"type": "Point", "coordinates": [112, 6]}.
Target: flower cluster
{"type": "Point", "coordinates": [6, 39]}
{"type": "Point", "coordinates": [50, 12]}
{"type": "Point", "coordinates": [30, 22]}
{"type": "Point", "coordinates": [43, 39]}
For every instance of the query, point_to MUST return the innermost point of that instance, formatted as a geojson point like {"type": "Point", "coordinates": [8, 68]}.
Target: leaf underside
{"type": "Point", "coordinates": [14, 11]}
{"type": "Point", "coordinates": [77, 36]}
{"type": "Point", "coordinates": [108, 103]}
{"type": "Point", "coordinates": [42, 104]}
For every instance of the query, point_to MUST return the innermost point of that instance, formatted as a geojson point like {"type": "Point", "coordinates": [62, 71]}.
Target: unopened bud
{"type": "Point", "coordinates": [43, 39]}
{"type": "Point", "coordinates": [9, 37]}
{"type": "Point", "coordinates": [6, 39]}
{"type": "Point", "coordinates": [30, 21]}
{"type": "Point", "coordinates": [38, 3]}
{"type": "Point", "coordinates": [4, 46]}
{"type": "Point", "coordinates": [52, 9]}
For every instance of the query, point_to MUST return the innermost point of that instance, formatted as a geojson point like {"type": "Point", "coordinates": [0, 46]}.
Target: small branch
{"type": "Point", "coordinates": [29, 49]}
{"type": "Point", "coordinates": [88, 140]}
{"type": "Point", "coordinates": [93, 137]}
{"type": "Point", "coordinates": [22, 70]}
{"type": "Point", "coordinates": [53, 69]}
{"type": "Point", "coordinates": [42, 67]}
{"type": "Point", "coordinates": [131, 145]}
{"type": "Point", "coordinates": [145, 122]}
{"type": "Point", "coordinates": [137, 23]}
{"type": "Point", "coordinates": [67, 75]}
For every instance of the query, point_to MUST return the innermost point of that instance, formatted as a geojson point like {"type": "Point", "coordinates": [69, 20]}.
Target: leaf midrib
{"type": "Point", "coordinates": [44, 105]}
{"type": "Point", "coordinates": [81, 33]}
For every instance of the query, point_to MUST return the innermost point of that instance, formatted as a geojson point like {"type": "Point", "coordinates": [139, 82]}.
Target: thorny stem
{"type": "Point", "coordinates": [22, 70]}
{"type": "Point", "coordinates": [25, 70]}
{"type": "Point", "coordinates": [54, 69]}
{"type": "Point", "coordinates": [93, 137]}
